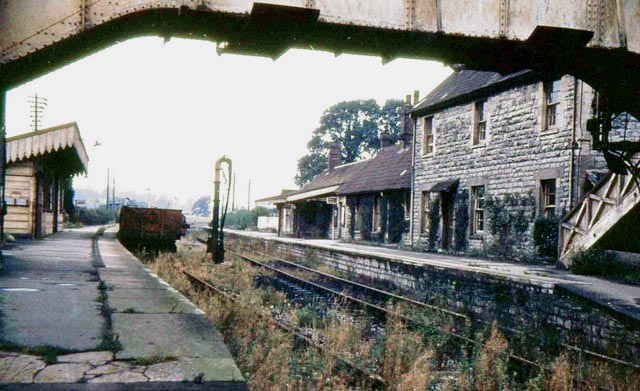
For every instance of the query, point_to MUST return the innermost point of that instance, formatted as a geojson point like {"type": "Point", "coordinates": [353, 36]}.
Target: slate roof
{"type": "Point", "coordinates": [335, 177]}
{"type": "Point", "coordinates": [390, 169]}
{"type": "Point", "coordinates": [467, 85]}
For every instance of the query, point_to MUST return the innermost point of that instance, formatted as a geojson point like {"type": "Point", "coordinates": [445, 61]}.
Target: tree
{"type": "Point", "coordinates": [67, 198]}
{"type": "Point", "coordinates": [201, 206]}
{"type": "Point", "coordinates": [355, 126]}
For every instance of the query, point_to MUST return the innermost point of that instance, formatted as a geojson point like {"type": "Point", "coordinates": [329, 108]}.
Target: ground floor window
{"type": "Point", "coordinates": [477, 209]}
{"type": "Point", "coordinates": [424, 213]}
{"type": "Point", "coordinates": [406, 203]}
{"type": "Point", "coordinates": [376, 221]}
{"type": "Point", "coordinates": [548, 197]}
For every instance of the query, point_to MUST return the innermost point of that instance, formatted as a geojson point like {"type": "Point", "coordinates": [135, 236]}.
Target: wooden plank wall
{"type": "Point", "coordinates": [20, 187]}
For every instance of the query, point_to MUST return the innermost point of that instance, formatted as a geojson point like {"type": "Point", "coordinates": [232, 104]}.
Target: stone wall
{"type": "Point", "coordinates": [541, 314]}
{"type": "Point", "coordinates": [517, 155]}
{"type": "Point", "coordinates": [518, 152]}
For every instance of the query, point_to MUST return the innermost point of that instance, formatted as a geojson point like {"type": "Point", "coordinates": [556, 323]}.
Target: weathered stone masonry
{"type": "Point", "coordinates": [516, 155]}
{"type": "Point", "coordinates": [538, 311]}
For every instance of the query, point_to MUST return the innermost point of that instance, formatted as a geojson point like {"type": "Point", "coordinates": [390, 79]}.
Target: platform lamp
{"type": "Point", "coordinates": [215, 242]}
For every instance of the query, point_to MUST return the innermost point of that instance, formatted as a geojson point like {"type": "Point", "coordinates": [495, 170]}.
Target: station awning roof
{"type": "Point", "coordinates": [313, 193]}
{"type": "Point", "coordinates": [60, 147]}
{"type": "Point", "coordinates": [279, 199]}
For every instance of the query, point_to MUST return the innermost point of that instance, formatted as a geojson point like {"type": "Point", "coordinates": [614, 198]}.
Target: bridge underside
{"type": "Point", "coordinates": [271, 30]}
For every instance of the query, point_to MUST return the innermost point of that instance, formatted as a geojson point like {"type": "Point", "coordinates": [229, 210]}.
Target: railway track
{"type": "Point", "coordinates": [356, 293]}
{"type": "Point", "coordinates": [371, 380]}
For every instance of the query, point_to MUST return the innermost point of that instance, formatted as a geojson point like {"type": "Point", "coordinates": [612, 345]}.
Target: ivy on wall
{"type": "Point", "coordinates": [545, 237]}
{"type": "Point", "coordinates": [509, 218]}
{"type": "Point", "coordinates": [461, 216]}
{"type": "Point", "coordinates": [434, 222]}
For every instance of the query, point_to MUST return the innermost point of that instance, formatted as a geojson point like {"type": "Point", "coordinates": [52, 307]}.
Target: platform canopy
{"type": "Point", "coordinates": [58, 149]}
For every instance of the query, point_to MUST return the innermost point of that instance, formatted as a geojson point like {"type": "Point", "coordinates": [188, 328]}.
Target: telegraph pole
{"type": "Point", "coordinates": [249, 196]}
{"type": "Point", "coordinates": [38, 104]}
{"type": "Point", "coordinates": [3, 161]}
{"type": "Point", "coordinates": [113, 193]}
{"type": "Point", "coordinates": [233, 199]}
{"type": "Point", "coordinates": [107, 188]}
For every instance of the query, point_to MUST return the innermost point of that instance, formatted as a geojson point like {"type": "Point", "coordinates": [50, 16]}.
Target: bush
{"type": "Point", "coordinates": [245, 219]}
{"type": "Point", "coordinates": [599, 263]}
{"type": "Point", "coordinates": [545, 236]}
{"type": "Point", "coordinates": [96, 216]}
{"type": "Point", "coordinates": [592, 263]}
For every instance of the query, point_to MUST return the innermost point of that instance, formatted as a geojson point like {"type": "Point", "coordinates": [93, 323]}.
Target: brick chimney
{"type": "Point", "coordinates": [407, 122]}
{"type": "Point", "coordinates": [334, 156]}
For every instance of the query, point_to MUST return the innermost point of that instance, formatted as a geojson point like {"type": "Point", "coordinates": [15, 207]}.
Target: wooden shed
{"type": "Point", "coordinates": [37, 163]}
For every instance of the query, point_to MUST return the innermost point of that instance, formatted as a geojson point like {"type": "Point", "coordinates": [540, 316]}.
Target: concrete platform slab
{"type": "Point", "coordinates": [151, 305]}
{"type": "Point", "coordinates": [204, 369]}
{"type": "Point", "coordinates": [49, 296]}
{"type": "Point", "coordinates": [177, 335]}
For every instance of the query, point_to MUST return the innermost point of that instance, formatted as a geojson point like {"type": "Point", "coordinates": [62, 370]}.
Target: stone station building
{"type": "Point", "coordinates": [364, 200]}
{"type": "Point", "coordinates": [489, 146]}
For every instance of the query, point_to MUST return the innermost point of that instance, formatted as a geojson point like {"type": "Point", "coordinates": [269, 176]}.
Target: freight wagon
{"type": "Point", "coordinates": [151, 229]}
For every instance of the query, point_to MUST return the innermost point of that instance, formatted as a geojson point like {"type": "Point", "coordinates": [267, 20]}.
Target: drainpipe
{"type": "Point", "coordinates": [3, 163]}
{"type": "Point", "coordinates": [573, 143]}
{"type": "Point", "coordinates": [413, 180]}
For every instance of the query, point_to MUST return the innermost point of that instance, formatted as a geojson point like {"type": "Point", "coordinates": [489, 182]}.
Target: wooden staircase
{"type": "Point", "coordinates": [603, 207]}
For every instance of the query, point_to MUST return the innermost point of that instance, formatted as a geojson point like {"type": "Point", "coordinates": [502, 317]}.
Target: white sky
{"type": "Point", "coordinates": [164, 112]}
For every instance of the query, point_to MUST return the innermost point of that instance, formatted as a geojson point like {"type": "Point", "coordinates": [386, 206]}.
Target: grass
{"type": "Point", "coordinates": [416, 357]}
{"type": "Point", "coordinates": [110, 340]}
{"type": "Point", "coordinates": [48, 353]}
{"type": "Point", "coordinates": [156, 358]}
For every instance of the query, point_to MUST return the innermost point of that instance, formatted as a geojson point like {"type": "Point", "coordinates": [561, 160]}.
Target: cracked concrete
{"type": "Point", "coordinates": [153, 322]}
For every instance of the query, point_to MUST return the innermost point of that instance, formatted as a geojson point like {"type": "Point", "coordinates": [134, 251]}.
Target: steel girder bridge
{"type": "Point", "coordinates": [597, 41]}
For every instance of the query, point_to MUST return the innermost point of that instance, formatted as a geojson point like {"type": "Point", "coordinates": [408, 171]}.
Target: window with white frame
{"type": "Point", "coordinates": [406, 203]}
{"type": "Point", "coordinates": [376, 221]}
{"type": "Point", "coordinates": [480, 123]}
{"type": "Point", "coordinates": [428, 139]}
{"type": "Point", "coordinates": [552, 92]}
{"type": "Point", "coordinates": [424, 213]}
{"type": "Point", "coordinates": [548, 197]}
{"type": "Point", "coordinates": [477, 209]}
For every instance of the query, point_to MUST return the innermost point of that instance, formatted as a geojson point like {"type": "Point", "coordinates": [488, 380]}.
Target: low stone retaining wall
{"type": "Point", "coordinates": [542, 314]}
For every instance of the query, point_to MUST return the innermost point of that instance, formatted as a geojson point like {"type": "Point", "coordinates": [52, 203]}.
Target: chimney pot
{"type": "Point", "coordinates": [407, 99]}
{"type": "Point", "coordinates": [416, 97]}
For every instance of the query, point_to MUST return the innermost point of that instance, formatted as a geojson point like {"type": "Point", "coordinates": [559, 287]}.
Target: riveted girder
{"type": "Point", "coordinates": [596, 40]}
